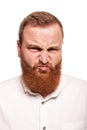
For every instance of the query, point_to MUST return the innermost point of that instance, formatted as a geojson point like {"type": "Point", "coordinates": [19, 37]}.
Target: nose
{"type": "Point", "coordinates": [44, 57]}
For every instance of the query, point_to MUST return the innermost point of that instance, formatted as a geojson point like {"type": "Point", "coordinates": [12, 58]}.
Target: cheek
{"type": "Point", "coordinates": [30, 58]}
{"type": "Point", "coordinates": [56, 59]}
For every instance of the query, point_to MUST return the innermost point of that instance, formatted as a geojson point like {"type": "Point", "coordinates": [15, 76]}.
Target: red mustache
{"type": "Point", "coordinates": [43, 65]}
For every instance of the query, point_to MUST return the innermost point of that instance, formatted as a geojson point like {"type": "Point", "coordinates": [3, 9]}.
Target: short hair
{"type": "Point", "coordinates": [39, 18]}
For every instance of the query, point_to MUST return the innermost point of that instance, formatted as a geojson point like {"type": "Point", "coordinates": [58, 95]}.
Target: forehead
{"type": "Point", "coordinates": [43, 36]}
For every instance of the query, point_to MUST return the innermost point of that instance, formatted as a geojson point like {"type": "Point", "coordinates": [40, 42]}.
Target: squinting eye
{"type": "Point", "coordinates": [34, 49]}
{"type": "Point", "coordinates": [53, 49]}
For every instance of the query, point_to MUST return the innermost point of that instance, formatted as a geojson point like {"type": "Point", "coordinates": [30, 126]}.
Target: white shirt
{"type": "Point", "coordinates": [64, 109]}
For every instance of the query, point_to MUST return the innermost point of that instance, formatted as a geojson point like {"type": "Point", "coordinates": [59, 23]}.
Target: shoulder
{"type": "Point", "coordinates": [73, 80]}
{"type": "Point", "coordinates": [10, 91]}
{"type": "Point", "coordinates": [10, 84]}
{"type": "Point", "coordinates": [74, 84]}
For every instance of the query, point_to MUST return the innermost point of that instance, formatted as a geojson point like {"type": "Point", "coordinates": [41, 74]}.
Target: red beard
{"type": "Point", "coordinates": [39, 81]}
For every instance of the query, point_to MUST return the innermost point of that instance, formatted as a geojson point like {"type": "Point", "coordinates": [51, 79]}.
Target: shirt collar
{"type": "Point", "coordinates": [52, 95]}
{"type": "Point", "coordinates": [27, 90]}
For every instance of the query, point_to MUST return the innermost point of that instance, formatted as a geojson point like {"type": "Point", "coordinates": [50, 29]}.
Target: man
{"type": "Point", "coordinates": [42, 98]}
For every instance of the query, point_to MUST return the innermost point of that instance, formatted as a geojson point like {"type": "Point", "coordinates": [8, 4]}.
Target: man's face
{"type": "Point", "coordinates": [41, 54]}
{"type": "Point", "coordinates": [41, 44]}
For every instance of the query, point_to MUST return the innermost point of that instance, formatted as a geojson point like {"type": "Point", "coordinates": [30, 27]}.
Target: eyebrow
{"type": "Point", "coordinates": [39, 46]}
{"type": "Point", "coordinates": [33, 45]}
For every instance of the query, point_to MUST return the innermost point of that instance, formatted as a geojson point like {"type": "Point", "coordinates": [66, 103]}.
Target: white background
{"type": "Point", "coordinates": [72, 14]}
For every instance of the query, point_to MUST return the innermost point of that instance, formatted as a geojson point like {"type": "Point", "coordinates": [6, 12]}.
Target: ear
{"type": "Point", "coordinates": [19, 48]}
